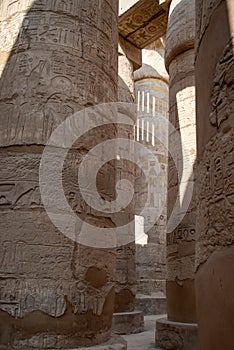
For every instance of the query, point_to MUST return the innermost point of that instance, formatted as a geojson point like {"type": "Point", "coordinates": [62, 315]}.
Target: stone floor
{"type": "Point", "coordinates": [144, 340]}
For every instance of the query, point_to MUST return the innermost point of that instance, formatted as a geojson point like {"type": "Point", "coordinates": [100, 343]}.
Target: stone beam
{"type": "Point", "coordinates": [144, 22]}
{"type": "Point", "coordinates": [131, 51]}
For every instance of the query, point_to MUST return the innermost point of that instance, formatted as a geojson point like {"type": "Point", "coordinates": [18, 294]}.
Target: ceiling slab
{"type": "Point", "coordinates": [144, 22]}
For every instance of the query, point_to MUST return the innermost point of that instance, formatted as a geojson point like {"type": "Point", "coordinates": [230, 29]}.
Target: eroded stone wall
{"type": "Point", "coordinates": [215, 121]}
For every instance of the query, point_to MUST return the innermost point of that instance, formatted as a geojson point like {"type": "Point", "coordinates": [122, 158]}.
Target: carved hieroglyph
{"type": "Point", "coordinates": [57, 57]}
{"type": "Point", "coordinates": [70, 69]}
{"type": "Point", "coordinates": [214, 69]}
{"type": "Point", "coordinates": [215, 187]}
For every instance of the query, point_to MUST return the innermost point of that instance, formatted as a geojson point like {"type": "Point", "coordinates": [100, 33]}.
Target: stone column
{"type": "Point", "coordinates": [57, 57]}
{"type": "Point", "coordinates": [179, 331]}
{"type": "Point", "coordinates": [214, 67]}
{"type": "Point", "coordinates": [151, 84]}
{"type": "Point", "coordinates": [125, 319]}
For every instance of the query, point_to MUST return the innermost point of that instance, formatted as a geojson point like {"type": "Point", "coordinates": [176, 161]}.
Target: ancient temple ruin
{"type": "Point", "coordinates": [116, 175]}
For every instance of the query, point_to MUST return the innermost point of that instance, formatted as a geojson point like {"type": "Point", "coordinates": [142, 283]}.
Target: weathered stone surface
{"type": "Point", "coordinates": [215, 189]}
{"type": "Point", "coordinates": [152, 305]}
{"type": "Point", "coordinates": [107, 347]}
{"type": "Point", "coordinates": [120, 344]}
{"type": "Point", "coordinates": [126, 91]}
{"type": "Point", "coordinates": [61, 72]}
{"type": "Point", "coordinates": [151, 84]}
{"type": "Point", "coordinates": [115, 343]}
{"type": "Point", "coordinates": [179, 57]}
{"type": "Point", "coordinates": [128, 322]}
{"type": "Point", "coordinates": [149, 286]}
{"type": "Point", "coordinates": [54, 292]}
{"type": "Point", "coordinates": [133, 53]}
{"type": "Point", "coordinates": [215, 197]}
{"type": "Point", "coordinates": [153, 64]}
{"type": "Point", "coordinates": [151, 267]}
{"type": "Point", "coordinates": [176, 336]}
{"type": "Point", "coordinates": [125, 286]}
{"type": "Point", "coordinates": [181, 29]}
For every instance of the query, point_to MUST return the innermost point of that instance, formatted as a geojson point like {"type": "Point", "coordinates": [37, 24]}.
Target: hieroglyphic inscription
{"type": "Point", "coordinates": [222, 92]}
{"type": "Point", "coordinates": [181, 235]}
{"type": "Point", "coordinates": [216, 196]}
{"type": "Point", "coordinates": [58, 58]}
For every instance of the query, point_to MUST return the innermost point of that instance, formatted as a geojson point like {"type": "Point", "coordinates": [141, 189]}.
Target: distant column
{"type": "Point", "coordinates": [151, 84]}
{"type": "Point", "coordinates": [126, 320]}
{"type": "Point", "coordinates": [180, 329]}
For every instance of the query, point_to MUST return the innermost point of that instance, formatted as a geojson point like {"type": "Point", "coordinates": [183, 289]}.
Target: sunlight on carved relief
{"type": "Point", "coordinates": [12, 29]}
{"type": "Point", "coordinates": [140, 236]}
{"type": "Point", "coordinates": [186, 120]}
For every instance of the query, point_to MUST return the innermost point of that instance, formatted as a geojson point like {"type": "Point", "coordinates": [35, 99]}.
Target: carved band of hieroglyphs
{"type": "Point", "coordinates": [181, 235]}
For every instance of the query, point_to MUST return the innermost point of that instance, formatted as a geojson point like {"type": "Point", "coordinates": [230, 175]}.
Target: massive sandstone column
{"type": "Point", "coordinates": [179, 330]}
{"type": "Point", "coordinates": [125, 259]}
{"type": "Point", "coordinates": [151, 84]}
{"type": "Point", "coordinates": [125, 319]}
{"type": "Point", "coordinates": [214, 67]}
{"type": "Point", "coordinates": [57, 57]}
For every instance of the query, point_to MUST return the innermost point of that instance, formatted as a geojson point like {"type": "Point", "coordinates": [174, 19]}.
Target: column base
{"type": "Point", "coordinates": [115, 343]}
{"type": "Point", "coordinates": [176, 336]}
{"type": "Point", "coordinates": [151, 305]}
{"type": "Point", "coordinates": [128, 322]}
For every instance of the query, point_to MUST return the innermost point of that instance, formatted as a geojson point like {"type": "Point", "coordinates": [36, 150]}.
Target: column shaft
{"type": "Point", "coordinates": [126, 320]}
{"type": "Point", "coordinates": [214, 67]}
{"type": "Point", "coordinates": [180, 330]}
{"type": "Point", "coordinates": [57, 57]}
{"type": "Point", "coordinates": [151, 84]}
